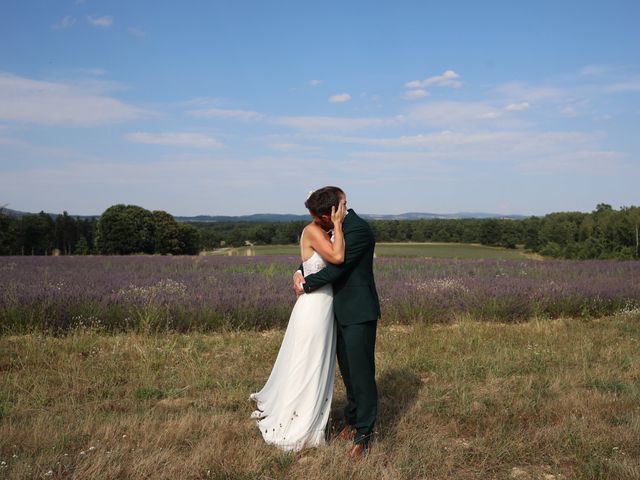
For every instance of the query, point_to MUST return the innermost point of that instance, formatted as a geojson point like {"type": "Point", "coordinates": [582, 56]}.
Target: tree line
{"type": "Point", "coordinates": [602, 233]}
{"type": "Point", "coordinates": [125, 229]}
{"type": "Point", "coordinates": [120, 230]}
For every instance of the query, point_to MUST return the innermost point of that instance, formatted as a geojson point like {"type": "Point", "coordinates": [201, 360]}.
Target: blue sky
{"type": "Point", "coordinates": [240, 107]}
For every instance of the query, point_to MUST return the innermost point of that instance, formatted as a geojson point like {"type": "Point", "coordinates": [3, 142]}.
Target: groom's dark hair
{"type": "Point", "coordinates": [320, 202]}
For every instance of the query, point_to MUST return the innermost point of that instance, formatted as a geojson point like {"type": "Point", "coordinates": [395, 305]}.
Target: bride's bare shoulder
{"type": "Point", "coordinates": [313, 229]}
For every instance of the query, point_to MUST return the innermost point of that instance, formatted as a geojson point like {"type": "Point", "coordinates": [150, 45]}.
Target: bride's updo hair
{"type": "Point", "coordinates": [320, 202]}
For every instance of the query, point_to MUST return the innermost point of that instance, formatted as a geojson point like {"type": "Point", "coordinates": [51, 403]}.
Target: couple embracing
{"type": "Point", "coordinates": [335, 316]}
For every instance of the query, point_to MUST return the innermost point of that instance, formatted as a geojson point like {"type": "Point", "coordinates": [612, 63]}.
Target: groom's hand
{"type": "Point", "coordinates": [298, 280]}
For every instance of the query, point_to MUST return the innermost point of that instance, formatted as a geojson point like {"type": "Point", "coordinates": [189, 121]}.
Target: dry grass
{"type": "Point", "coordinates": [536, 400]}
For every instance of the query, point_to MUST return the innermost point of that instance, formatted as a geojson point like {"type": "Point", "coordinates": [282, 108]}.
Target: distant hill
{"type": "Point", "coordinates": [273, 217]}
{"type": "Point", "coordinates": [277, 217]}
{"type": "Point", "coordinates": [419, 216]}
{"type": "Point", "coordinates": [256, 217]}
{"type": "Point", "coordinates": [18, 213]}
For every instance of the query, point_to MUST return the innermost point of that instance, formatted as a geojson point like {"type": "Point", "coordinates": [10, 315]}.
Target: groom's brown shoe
{"type": "Point", "coordinates": [347, 433]}
{"type": "Point", "coordinates": [357, 451]}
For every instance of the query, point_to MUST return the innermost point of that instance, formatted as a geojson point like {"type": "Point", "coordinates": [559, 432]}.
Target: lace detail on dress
{"type": "Point", "coordinates": [314, 264]}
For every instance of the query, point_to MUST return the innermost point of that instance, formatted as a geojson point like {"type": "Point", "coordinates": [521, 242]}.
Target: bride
{"type": "Point", "coordinates": [293, 406]}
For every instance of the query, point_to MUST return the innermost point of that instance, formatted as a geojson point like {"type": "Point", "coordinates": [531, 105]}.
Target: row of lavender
{"type": "Point", "coordinates": [56, 294]}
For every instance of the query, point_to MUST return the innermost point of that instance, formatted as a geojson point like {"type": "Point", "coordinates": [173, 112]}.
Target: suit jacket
{"type": "Point", "coordinates": [355, 299]}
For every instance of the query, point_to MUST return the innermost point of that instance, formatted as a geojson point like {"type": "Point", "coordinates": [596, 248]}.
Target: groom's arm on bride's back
{"type": "Point", "coordinates": [358, 243]}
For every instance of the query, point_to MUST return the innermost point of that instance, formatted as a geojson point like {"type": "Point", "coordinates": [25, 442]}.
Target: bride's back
{"type": "Point", "coordinates": [312, 262]}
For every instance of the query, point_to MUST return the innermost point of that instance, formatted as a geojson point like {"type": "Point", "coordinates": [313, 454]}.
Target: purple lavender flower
{"type": "Point", "coordinates": [56, 294]}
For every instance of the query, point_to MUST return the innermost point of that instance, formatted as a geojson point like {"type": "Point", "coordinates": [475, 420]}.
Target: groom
{"type": "Point", "coordinates": [357, 309]}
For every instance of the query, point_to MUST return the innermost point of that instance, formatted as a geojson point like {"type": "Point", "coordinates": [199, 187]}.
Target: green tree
{"type": "Point", "coordinates": [633, 214]}
{"type": "Point", "coordinates": [166, 233]}
{"type": "Point", "coordinates": [82, 247]}
{"type": "Point", "coordinates": [280, 238]}
{"type": "Point", "coordinates": [560, 228]}
{"type": "Point", "coordinates": [87, 228]}
{"type": "Point", "coordinates": [66, 233]}
{"type": "Point", "coordinates": [552, 249]}
{"type": "Point", "coordinates": [603, 207]}
{"type": "Point", "coordinates": [510, 236]}
{"type": "Point", "coordinates": [125, 229]}
{"type": "Point", "coordinates": [490, 232]}
{"type": "Point", "coordinates": [36, 234]}
{"type": "Point", "coordinates": [531, 233]}
{"type": "Point", "coordinates": [405, 231]}
{"type": "Point", "coordinates": [189, 239]}
{"type": "Point", "coordinates": [8, 233]}
{"type": "Point", "coordinates": [418, 235]}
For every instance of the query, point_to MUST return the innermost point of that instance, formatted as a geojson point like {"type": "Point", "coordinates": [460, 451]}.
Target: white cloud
{"type": "Point", "coordinates": [315, 83]}
{"type": "Point", "coordinates": [66, 22]}
{"type": "Point", "coordinates": [519, 92]}
{"type": "Point", "coordinates": [446, 139]}
{"type": "Point", "coordinates": [292, 147]}
{"type": "Point", "coordinates": [96, 72]}
{"type": "Point", "coordinates": [395, 168]}
{"type": "Point", "coordinates": [448, 79]}
{"type": "Point", "coordinates": [197, 180]}
{"type": "Point", "coordinates": [20, 148]}
{"type": "Point", "coordinates": [593, 70]}
{"type": "Point", "coordinates": [201, 102]}
{"type": "Point", "coordinates": [415, 94]}
{"type": "Point", "coordinates": [529, 152]}
{"type": "Point", "coordinates": [491, 115]}
{"type": "Point", "coordinates": [93, 85]}
{"type": "Point", "coordinates": [632, 85]}
{"type": "Point", "coordinates": [136, 32]}
{"type": "Point", "coordinates": [594, 162]}
{"type": "Point", "coordinates": [104, 21]}
{"type": "Point", "coordinates": [447, 114]}
{"type": "Point", "coordinates": [55, 103]}
{"type": "Point", "coordinates": [569, 111]}
{"type": "Point", "coordinates": [179, 139]}
{"type": "Point", "coordinates": [11, 142]}
{"type": "Point", "coordinates": [340, 98]}
{"type": "Point", "coordinates": [517, 107]}
{"type": "Point", "coordinates": [392, 160]}
{"type": "Point", "coordinates": [506, 147]}
{"type": "Point", "coordinates": [318, 123]}
{"type": "Point", "coordinates": [231, 114]}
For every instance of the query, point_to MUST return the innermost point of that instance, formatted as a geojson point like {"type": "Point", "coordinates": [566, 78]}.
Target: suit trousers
{"type": "Point", "coordinates": [356, 359]}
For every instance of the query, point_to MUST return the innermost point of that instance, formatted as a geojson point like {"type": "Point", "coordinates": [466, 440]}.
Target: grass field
{"type": "Point", "coordinates": [551, 399]}
{"type": "Point", "coordinates": [427, 250]}
{"type": "Point", "coordinates": [447, 250]}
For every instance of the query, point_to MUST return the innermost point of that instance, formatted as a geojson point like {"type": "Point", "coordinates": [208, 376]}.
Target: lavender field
{"type": "Point", "coordinates": [155, 293]}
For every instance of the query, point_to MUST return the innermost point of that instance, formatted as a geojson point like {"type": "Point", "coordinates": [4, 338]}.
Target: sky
{"type": "Point", "coordinates": [241, 107]}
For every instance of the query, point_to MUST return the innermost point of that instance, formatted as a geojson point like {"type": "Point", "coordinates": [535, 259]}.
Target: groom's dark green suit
{"type": "Point", "coordinates": [357, 309]}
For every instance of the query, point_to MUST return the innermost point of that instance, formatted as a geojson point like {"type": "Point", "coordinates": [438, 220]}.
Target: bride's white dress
{"type": "Point", "coordinates": [293, 406]}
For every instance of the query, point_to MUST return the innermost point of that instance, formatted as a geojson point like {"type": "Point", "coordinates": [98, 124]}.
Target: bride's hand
{"type": "Point", "coordinates": [337, 215]}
